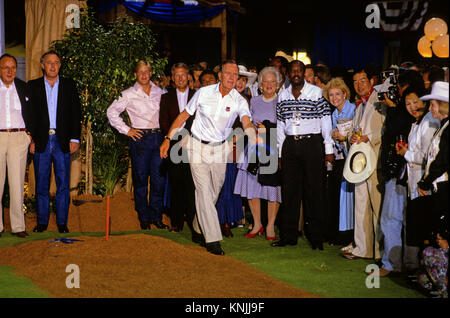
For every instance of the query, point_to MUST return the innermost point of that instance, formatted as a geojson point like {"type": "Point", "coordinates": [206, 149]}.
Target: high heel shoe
{"type": "Point", "coordinates": [270, 238]}
{"type": "Point", "coordinates": [260, 231]}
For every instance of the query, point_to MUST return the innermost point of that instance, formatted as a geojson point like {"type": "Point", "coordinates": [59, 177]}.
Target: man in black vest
{"type": "Point", "coordinates": [182, 190]}
{"type": "Point", "coordinates": [56, 130]}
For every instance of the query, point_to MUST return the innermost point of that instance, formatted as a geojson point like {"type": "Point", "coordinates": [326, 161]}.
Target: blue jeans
{"type": "Point", "coordinates": [145, 162]}
{"type": "Point", "coordinates": [42, 170]}
{"type": "Point", "coordinates": [392, 217]}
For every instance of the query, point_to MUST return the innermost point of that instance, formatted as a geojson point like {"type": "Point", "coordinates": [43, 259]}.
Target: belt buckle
{"type": "Point", "coordinates": [297, 137]}
{"type": "Point", "coordinates": [51, 132]}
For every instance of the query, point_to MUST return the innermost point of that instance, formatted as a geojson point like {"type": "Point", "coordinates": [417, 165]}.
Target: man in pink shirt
{"type": "Point", "coordinates": [141, 102]}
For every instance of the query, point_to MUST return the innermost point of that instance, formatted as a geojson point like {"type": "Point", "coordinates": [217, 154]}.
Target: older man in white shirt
{"type": "Point", "coordinates": [216, 108]}
{"type": "Point", "coordinates": [14, 141]}
{"type": "Point", "coordinates": [141, 101]}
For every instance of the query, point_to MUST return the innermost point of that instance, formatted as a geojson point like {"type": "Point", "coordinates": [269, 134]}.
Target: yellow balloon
{"type": "Point", "coordinates": [424, 47]}
{"type": "Point", "coordinates": [440, 46]}
{"type": "Point", "coordinates": [435, 27]}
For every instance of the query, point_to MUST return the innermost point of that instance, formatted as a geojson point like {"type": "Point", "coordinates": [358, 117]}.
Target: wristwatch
{"type": "Point", "coordinates": [167, 137]}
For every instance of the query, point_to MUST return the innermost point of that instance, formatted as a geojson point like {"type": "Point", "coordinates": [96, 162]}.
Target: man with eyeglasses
{"type": "Point", "coordinates": [142, 103]}
{"type": "Point", "coordinates": [56, 130]}
{"type": "Point", "coordinates": [14, 141]}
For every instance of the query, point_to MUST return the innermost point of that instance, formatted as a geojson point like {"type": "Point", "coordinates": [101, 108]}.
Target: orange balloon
{"type": "Point", "coordinates": [440, 46]}
{"type": "Point", "coordinates": [424, 47]}
{"type": "Point", "coordinates": [435, 27]}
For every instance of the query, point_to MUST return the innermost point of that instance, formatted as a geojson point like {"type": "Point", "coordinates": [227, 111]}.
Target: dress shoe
{"type": "Point", "coordinates": [62, 228]}
{"type": "Point", "coordinates": [214, 248]}
{"type": "Point", "coordinates": [259, 232]}
{"type": "Point", "coordinates": [145, 225]}
{"type": "Point", "coordinates": [22, 234]}
{"type": "Point", "coordinates": [282, 243]}
{"type": "Point", "coordinates": [198, 238]}
{"type": "Point", "coordinates": [226, 231]}
{"type": "Point", "coordinates": [382, 272]}
{"type": "Point", "coordinates": [40, 228]}
{"type": "Point", "coordinates": [317, 246]}
{"type": "Point", "coordinates": [350, 256]}
{"type": "Point", "coordinates": [160, 225]}
{"type": "Point", "coordinates": [175, 229]}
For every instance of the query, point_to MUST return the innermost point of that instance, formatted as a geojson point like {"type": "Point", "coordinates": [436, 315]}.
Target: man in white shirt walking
{"type": "Point", "coordinates": [216, 108]}
{"type": "Point", "coordinates": [141, 101]}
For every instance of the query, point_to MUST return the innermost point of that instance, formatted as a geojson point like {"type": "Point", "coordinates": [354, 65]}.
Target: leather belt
{"type": "Point", "coordinates": [13, 129]}
{"type": "Point", "coordinates": [211, 143]}
{"type": "Point", "coordinates": [301, 137]}
{"type": "Point", "coordinates": [149, 130]}
{"type": "Point", "coordinates": [52, 132]}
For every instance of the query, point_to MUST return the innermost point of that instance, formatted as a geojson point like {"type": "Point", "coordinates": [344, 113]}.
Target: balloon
{"type": "Point", "coordinates": [424, 47]}
{"type": "Point", "coordinates": [440, 46]}
{"type": "Point", "coordinates": [435, 27]}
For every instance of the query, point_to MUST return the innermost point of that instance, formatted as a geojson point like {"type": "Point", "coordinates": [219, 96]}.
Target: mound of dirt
{"type": "Point", "coordinates": [141, 266]}
{"type": "Point", "coordinates": [91, 216]}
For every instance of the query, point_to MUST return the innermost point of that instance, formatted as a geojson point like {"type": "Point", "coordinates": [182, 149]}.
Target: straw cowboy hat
{"type": "Point", "coordinates": [439, 91]}
{"type": "Point", "coordinates": [251, 76]}
{"type": "Point", "coordinates": [360, 163]}
{"type": "Point", "coordinates": [289, 58]}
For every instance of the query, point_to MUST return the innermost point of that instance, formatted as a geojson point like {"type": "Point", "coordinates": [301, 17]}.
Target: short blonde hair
{"type": "Point", "coordinates": [336, 83]}
{"type": "Point", "coordinates": [142, 63]}
{"type": "Point", "coordinates": [443, 107]}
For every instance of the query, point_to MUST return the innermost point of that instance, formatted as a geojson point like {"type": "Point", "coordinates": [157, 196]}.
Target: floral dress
{"type": "Point", "coordinates": [435, 262]}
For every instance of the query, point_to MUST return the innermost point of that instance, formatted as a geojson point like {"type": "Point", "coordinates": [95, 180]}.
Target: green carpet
{"type": "Point", "coordinates": [324, 273]}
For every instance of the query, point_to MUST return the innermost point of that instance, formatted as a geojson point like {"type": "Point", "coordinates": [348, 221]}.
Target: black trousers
{"type": "Point", "coordinates": [302, 169]}
{"type": "Point", "coordinates": [182, 194]}
{"type": "Point", "coordinates": [334, 181]}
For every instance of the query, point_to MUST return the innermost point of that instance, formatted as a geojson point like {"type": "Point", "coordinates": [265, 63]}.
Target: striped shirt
{"type": "Point", "coordinates": [309, 114]}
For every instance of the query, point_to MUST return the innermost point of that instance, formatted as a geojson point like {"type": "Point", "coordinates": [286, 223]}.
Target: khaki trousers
{"type": "Point", "coordinates": [13, 155]}
{"type": "Point", "coordinates": [367, 218]}
{"type": "Point", "coordinates": [208, 167]}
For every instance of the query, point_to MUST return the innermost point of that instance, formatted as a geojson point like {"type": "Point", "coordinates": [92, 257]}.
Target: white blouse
{"type": "Point", "coordinates": [418, 142]}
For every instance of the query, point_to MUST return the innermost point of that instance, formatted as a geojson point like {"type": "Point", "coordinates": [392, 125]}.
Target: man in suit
{"type": "Point", "coordinates": [56, 131]}
{"type": "Point", "coordinates": [368, 122]}
{"type": "Point", "coordinates": [14, 141]}
{"type": "Point", "coordinates": [182, 190]}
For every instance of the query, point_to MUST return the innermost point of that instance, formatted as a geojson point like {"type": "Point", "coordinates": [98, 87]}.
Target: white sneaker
{"type": "Point", "coordinates": [347, 249]}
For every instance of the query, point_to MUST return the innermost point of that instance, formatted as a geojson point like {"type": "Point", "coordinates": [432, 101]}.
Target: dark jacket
{"type": "Point", "coordinates": [169, 110]}
{"type": "Point", "coordinates": [23, 93]}
{"type": "Point", "coordinates": [68, 114]}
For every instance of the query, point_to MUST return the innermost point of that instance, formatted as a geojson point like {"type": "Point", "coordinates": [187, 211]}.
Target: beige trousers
{"type": "Point", "coordinates": [13, 155]}
{"type": "Point", "coordinates": [367, 218]}
{"type": "Point", "coordinates": [208, 167]}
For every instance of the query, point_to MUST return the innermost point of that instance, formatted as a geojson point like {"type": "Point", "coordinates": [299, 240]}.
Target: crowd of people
{"type": "Point", "coordinates": [355, 164]}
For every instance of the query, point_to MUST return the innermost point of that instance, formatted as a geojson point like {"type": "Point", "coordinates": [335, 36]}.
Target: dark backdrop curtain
{"type": "Point", "coordinates": [341, 44]}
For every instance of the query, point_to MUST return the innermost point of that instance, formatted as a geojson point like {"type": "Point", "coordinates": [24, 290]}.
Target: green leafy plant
{"type": "Point", "coordinates": [100, 59]}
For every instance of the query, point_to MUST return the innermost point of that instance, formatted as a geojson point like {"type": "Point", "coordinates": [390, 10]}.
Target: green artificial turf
{"type": "Point", "coordinates": [324, 273]}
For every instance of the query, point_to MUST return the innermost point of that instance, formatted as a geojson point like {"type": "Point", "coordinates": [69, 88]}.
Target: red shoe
{"type": "Point", "coordinates": [249, 235]}
{"type": "Point", "coordinates": [270, 238]}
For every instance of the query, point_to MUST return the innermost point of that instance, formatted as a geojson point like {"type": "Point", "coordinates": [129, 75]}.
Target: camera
{"type": "Point", "coordinates": [389, 86]}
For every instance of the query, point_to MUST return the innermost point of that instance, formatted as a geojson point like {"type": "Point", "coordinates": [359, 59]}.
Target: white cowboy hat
{"type": "Point", "coordinates": [360, 163]}
{"type": "Point", "coordinates": [289, 58]}
{"type": "Point", "coordinates": [251, 76]}
{"type": "Point", "coordinates": [439, 91]}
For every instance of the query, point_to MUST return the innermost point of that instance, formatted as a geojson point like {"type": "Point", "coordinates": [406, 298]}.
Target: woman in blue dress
{"type": "Point", "coordinates": [340, 192]}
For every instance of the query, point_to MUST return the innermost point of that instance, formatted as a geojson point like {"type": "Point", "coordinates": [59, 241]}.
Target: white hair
{"type": "Point", "coordinates": [269, 69]}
